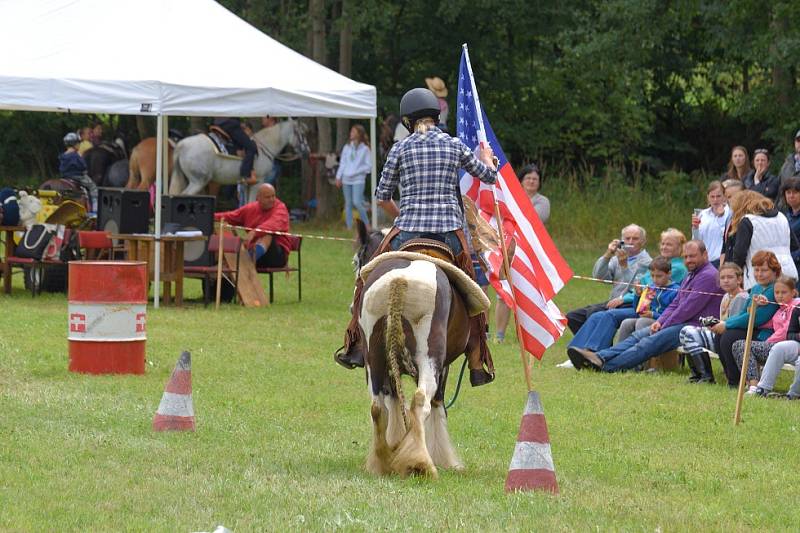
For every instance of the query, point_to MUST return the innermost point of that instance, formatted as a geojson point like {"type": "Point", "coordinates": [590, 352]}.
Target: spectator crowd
{"type": "Point", "coordinates": [696, 295]}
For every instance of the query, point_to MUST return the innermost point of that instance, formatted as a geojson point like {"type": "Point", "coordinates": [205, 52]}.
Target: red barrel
{"type": "Point", "coordinates": [107, 316]}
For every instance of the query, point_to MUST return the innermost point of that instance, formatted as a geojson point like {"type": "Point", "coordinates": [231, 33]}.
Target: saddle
{"type": "Point", "coordinates": [429, 247]}
{"type": "Point", "coordinates": [474, 297]}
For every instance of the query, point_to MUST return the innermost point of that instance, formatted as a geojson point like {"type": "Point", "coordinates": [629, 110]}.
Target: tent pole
{"type": "Point", "coordinates": [374, 174]}
{"type": "Point", "coordinates": [159, 184]}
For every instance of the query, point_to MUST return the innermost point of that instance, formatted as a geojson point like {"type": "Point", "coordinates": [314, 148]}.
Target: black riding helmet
{"type": "Point", "coordinates": [416, 104]}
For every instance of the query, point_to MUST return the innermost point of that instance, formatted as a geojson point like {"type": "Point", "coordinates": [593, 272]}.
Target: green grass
{"type": "Point", "coordinates": [282, 432]}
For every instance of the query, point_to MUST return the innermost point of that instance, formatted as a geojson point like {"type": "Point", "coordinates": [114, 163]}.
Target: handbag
{"type": "Point", "coordinates": [35, 241]}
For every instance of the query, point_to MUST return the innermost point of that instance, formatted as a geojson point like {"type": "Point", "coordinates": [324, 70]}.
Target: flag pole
{"type": "Point", "coordinates": [482, 142]}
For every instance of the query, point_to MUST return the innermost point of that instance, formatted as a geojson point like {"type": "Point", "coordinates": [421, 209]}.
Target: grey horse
{"type": "Point", "coordinates": [196, 162]}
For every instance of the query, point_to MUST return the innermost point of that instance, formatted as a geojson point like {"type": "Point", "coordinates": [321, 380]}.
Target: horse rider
{"type": "Point", "coordinates": [240, 139]}
{"type": "Point", "coordinates": [71, 166]}
{"type": "Point", "coordinates": [425, 165]}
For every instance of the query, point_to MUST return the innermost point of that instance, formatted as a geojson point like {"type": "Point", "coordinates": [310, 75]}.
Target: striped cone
{"type": "Point", "coordinates": [175, 412]}
{"type": "Point", "coordinates": [532, 464]}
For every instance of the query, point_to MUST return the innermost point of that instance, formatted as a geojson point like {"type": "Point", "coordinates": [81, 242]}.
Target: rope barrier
{"type": "Point", "coordinates": [613, 282]}
{"type": "Point", "coordinates": [288, 234]}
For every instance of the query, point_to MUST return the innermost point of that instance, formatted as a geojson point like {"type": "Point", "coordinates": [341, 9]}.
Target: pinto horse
{"type": "Point", "coordinates": [414, 317]}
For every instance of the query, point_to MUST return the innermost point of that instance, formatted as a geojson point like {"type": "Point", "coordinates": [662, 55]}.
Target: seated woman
{"type": "Point", "coordinates": [709, 226]}
{"type": "Point", "coordinates": [598, 331]}
{"type": "Point", "coordinates": [786, 297]}
{"type": "Point", "coordinates": [766, 270]}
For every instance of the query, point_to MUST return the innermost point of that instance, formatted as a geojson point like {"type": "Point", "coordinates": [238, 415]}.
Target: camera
{"type": "Point", "coordinates": [709, 321]}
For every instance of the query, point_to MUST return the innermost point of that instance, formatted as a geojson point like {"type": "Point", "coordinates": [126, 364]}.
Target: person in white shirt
{"type": "Point", "coordinates": [710, 224]}
{"type": "Point", "coordinates": [354, 165]}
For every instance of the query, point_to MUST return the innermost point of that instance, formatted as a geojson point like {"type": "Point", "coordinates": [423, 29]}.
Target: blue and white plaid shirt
{"type": "Point", "coordinates": [425, 165]}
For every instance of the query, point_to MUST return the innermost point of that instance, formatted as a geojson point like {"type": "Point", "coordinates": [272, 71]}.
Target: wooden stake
{"type": "Point", "coordinates": [507, 269]}
{"type": "Point", "coordinates": [220, 253]}
{"type": "Point", "coordinates": [737, 416]}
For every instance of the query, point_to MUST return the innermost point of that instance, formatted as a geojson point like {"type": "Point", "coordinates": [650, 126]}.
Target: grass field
{"type": "Point", "coordinates": [282, 432]}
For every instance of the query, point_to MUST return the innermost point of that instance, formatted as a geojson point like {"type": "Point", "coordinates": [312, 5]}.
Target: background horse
{"type": "Point", "coordinates": [414, 322]}
{"type": "Point", "coordinates": [196, 162]}
{"type": "Point", "coordinates": [142, 166]}
{"type": "Point", "coordinates": [105, 163]}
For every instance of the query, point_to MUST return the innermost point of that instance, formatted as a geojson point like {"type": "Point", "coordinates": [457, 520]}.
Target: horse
{"type": "Point", "coordinates": [99, 160]}
{"type": "Point", "coordinates": [196, 161]}
{"type": "Point", "coordinates": [414, 321]}
{"type": "Point", "coordinates": [142, 164]}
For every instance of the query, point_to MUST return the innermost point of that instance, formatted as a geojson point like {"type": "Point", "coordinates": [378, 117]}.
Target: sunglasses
{"type": "Point", "coordinates": [761, 151]}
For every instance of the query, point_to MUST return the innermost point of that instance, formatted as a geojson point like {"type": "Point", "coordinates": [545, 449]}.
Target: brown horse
{"type": "Point", "coordinates": [415, 318]}
{"type": "Point", "coordinates": [142, 165]}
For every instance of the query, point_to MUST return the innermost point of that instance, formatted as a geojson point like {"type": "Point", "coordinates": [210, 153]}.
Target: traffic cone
{"type": "Point", "coordinates": [532, 464]}
{"type": "Point", "coordinates": [175, 412]}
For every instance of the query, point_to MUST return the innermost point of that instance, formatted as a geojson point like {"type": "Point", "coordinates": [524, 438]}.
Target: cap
{"type": "Point", "coordinates": [797, 135]}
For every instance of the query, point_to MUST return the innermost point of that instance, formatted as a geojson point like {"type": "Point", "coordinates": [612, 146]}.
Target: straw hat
{"type": "Point", "coordinates": [437, 86]}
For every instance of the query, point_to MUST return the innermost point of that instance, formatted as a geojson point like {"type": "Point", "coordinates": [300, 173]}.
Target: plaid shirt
{"type": "Point", "coordinates": [425, 165]}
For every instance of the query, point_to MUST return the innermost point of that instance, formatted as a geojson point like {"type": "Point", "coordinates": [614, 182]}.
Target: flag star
{"type": "Point", "coordinates": [474, 124]}
{"type": "Point", "coordinates": [462, 121]}
{"type": "Point", "coordinates": [469, 94]}
{"type": "Point", "coordinates": [462, 106]}
{"type": "Point", "coordinates": [461, 90]}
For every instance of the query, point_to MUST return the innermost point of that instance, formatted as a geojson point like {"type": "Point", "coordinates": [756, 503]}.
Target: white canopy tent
{"type": "Point", "coordinates": [168, 57]}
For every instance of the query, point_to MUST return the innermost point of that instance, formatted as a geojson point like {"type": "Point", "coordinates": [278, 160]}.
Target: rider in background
{"type": "Point", "coordinates": [240, 139]}
{"type": "Point", "coordinates": [72, 167]}
{"type": "Point", "coordinates": [425, 166]}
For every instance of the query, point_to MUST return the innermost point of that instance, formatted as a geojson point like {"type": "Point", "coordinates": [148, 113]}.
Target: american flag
{"type": "Point", "coordinates": [538, 271]}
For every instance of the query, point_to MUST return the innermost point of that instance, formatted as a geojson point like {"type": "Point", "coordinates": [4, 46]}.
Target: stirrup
{"type": "Point", "coordinates": [338, 357]}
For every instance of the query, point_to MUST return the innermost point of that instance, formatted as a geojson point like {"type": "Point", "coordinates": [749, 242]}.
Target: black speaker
{"type": "Point", "coordinates": [190, 213]}
{"type": "Point", "coordinates": [123, 210]}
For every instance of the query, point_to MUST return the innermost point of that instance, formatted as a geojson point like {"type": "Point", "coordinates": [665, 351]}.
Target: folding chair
{"type": "Point", "coordinates": [232, 244]}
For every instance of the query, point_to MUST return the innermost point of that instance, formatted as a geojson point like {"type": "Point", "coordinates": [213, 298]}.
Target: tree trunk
{"type": "Point", "coordinates": [326, 198]}
{"type": "Point", "coordinates": [781, 76]}
{"type": "Point", "coordinates": [141, 127]}
{"type": "Point", "coordinates": [345, 66]}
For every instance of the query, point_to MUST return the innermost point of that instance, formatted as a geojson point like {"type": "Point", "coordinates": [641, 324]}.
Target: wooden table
{"type": "Point", "coordinates": [141, 247]}
{"type": "Point", "coordinates": [7, 236]}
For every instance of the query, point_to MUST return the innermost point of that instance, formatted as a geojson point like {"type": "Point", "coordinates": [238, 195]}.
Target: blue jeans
{"type": "Point", "coordinates": [640, 347]}
{"type": "Point", "coordinates": [449, 238]}
{"type": "Point", "coordinates": [598, 331]}
{"type": "Point", "coordinates": [354, 197]}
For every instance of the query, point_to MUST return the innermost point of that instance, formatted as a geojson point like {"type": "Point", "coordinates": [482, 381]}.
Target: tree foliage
{"type": "Point", "coordinates": [651, 84]}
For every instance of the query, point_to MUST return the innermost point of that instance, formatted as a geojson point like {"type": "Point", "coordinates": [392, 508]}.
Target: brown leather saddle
{"type": "Point", "coordinates": [429, 247]}
{"type": "Point", "coordinates": [222, 133]}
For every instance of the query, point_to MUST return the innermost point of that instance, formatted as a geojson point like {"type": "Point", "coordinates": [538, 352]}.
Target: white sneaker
{"type": "Point", "coordinates": [566, 364]}
{"type": "Point", "coordinates": [751, 391]}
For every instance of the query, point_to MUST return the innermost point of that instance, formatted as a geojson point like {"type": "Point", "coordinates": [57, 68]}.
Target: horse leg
{"type": "Point", "coordinates": [438, 438]}
{"type": "Point", "coordinates": [412, 455]}
{"type": "Point", "coordinates": [134, 178]}
{"type": "Point", "coordinates": [380, 453]}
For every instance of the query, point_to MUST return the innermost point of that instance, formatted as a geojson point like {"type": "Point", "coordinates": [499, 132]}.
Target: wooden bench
{"type": "Point", "coordinates": [296, 242]}
{"type": "Point", "coordinates": [681, 351]}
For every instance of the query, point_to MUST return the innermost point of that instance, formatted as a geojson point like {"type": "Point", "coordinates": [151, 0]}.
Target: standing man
{"type": "Point", "coordinates": [266, 213]}
{"type": "Point", "coordinates": [699, 295]}
{"type": "Point", "coordinates": [791, 167]}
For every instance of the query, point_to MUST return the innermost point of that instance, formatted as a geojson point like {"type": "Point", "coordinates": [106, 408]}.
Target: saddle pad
{"type": "Point", "coordinates": [217, 151]}
{"type": "Point", "coordinates": [475, 299]}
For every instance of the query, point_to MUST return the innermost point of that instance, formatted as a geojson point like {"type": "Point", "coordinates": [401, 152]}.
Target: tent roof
{"type": "Point", "coordinates": [172, 57]}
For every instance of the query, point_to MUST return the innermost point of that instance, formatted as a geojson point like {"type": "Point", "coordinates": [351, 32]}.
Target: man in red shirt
{"type": "Point", "coordinates": [266, 213]}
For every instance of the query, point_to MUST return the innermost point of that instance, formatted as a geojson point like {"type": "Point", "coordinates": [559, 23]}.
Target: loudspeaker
{"type": "Point", "coordinates": [191, 213]}
{"type": "Point", "coordinates": [123, 210]}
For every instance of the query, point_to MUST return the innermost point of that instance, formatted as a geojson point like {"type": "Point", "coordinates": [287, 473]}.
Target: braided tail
{"type": "Point", "coordinates": [395, 338]}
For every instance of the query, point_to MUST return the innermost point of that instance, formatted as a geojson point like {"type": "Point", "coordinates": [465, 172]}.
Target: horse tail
{"type": "Point", "coordinates": [134, 174]}
{"type": "Point", "coordinates": [395, 338]}
{"type": "Point", "coordinates": [177, 181]}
